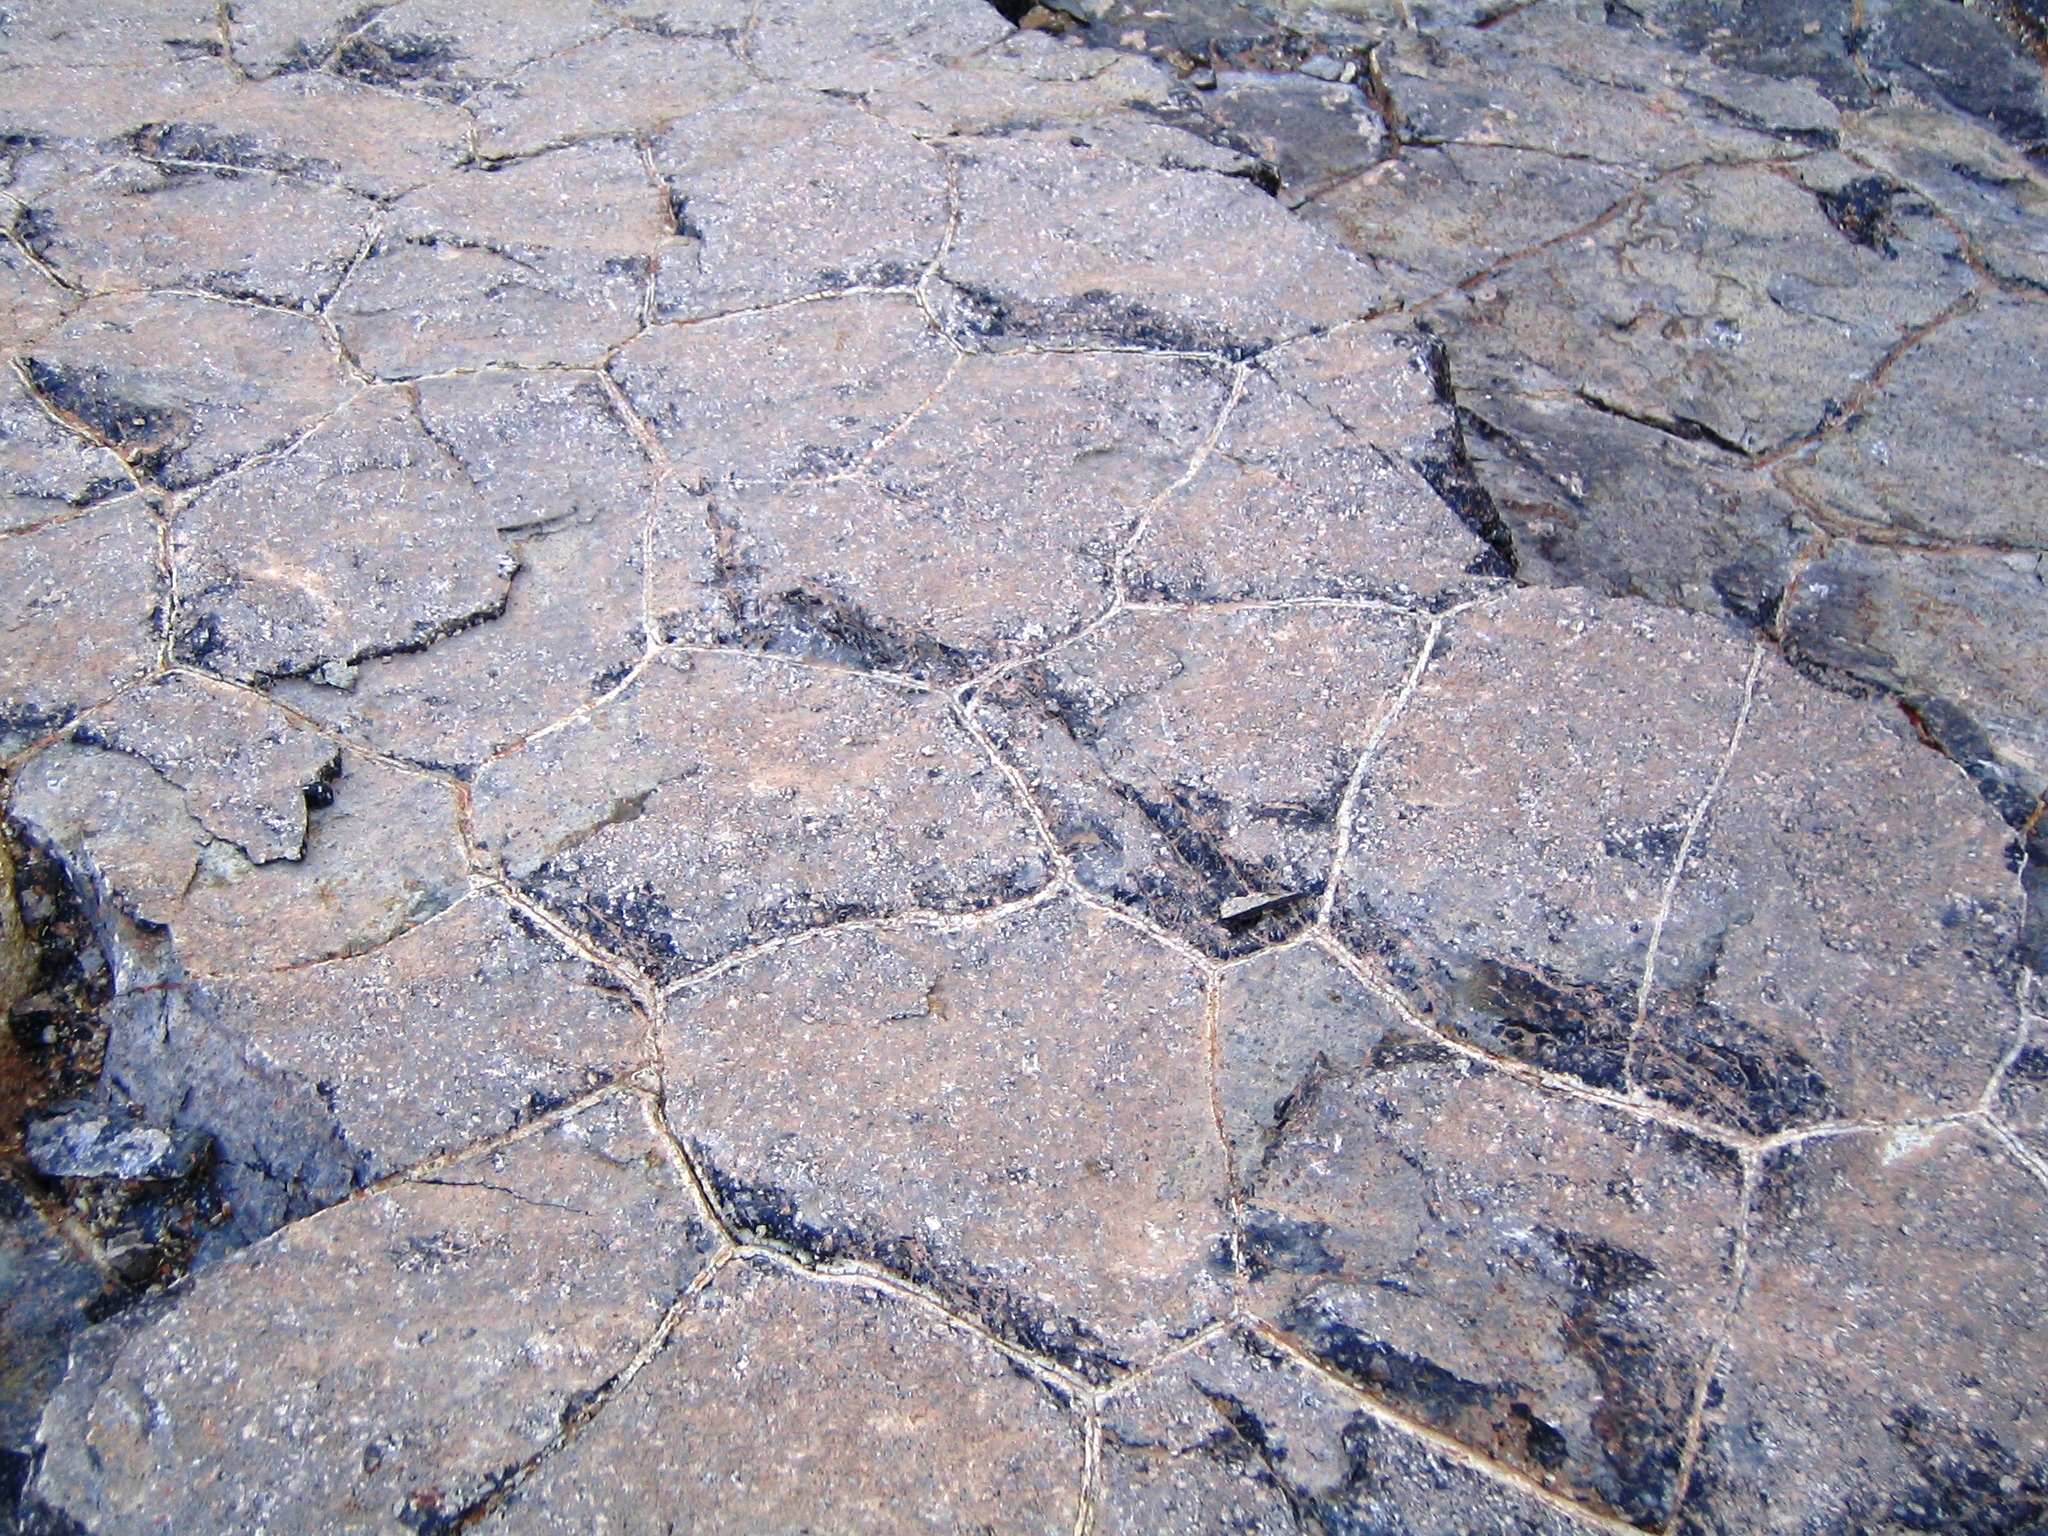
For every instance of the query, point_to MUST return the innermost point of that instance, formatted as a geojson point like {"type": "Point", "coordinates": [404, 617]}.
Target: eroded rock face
{"type": "Point", "coordinates": [779, 766]}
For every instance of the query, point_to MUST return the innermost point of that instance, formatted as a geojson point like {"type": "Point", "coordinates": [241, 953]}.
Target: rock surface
{"type": "Point", "coordinates": [806, 766]}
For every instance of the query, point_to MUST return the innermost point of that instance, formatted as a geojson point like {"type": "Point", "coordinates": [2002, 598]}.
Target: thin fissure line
{"type": "Point", "coordinates": [1088, 1501]}
{"type": "Point", "coordinates": [1693, 823]}
{"type": "Point", "coordinates": [1695, 1420]}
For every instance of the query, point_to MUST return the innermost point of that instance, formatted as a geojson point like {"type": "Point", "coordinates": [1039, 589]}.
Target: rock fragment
{"type": "Point", "coordinates": [46, 468]}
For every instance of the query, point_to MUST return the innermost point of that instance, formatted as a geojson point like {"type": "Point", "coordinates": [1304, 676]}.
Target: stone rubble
{"type": "Point", "coordinates": [807, 766]}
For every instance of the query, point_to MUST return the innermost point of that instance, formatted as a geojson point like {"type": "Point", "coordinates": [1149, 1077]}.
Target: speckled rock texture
{"type": "Point", "coordinates": [817, 767]}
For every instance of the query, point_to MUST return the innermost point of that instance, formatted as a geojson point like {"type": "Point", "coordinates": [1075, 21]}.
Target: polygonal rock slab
{"type": "Point", "coordinates": [1841, 940]}
{"type": "Point", "coordinates": [380, 857]}
{"type": "Point", "coordinates": [1028, 81]}
{"type": "Point", "coordinates": [780, 193]}
{"type": "Point", "coordinates": [448, 49]}
{"type": "Point", "coordinates": [1282, 1019]}
{"type": "Point", "coordinates": [565, 483]}
{"type": "Point", "coordinates": [1316, 487]}
{"type": "Point", "coordinates": [625, 83]}
{"type": "Point", "coordinates": [451, 1033]}
{"type": "Point", "coordinates": [807, 390]}
{"type": "Point", "coordinates": [242, 234]}
{"type": "Point", "coordinates": [1058, 246]}
{"type": "Point", "coordinates": [1190, 763]}
{"type": "Point", "coordinates": [1013, 1113]}
{"type": "Point", "coordinates": [1534, 1275]}
{"type": "Point", "coordinates": [540, 262]}
{"type": "Point", "coordinates": [787, 1405]}
{"type": "Point", "coordinates": [82, 619]}
{"type": "Point", "coordinates": [366, 538]}
{"type": "Point", "coordinates": [47, 470]}
{"type": "Point", "coordinates": [184, 387]}
{"type": "Point", "coordinates": [30, 303]}
{"type": "Point", "coordinates": [343, 1377]}
{"type": "Point", "coordinates": [855, 46]}
{"type": "Point", "coordinates": [2022, 1103]}
{"type": "Point", "coordinates": [1982, 181]}
{"type": "Point", "coordinates": [1724, 306]}
{"type": "Point", "coordinates": [1516, 828]}
{"type": "Point", "coordinates": [723, 800]}
{"type": "Point", "coordinates": [987, 526]}
{"type": "Point", "coordinates": [248, 771]}
{"type": "Point", "coordinates": [1239, 1436]}
{"type": "Point", "coordinates": [1950, 448]}
{"type": "Point", "coordinates": [1963, 634]}
{"type": "Point", "coordinates": [1885, 1364]}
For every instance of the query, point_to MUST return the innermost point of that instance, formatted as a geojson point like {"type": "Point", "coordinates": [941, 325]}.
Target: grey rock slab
{"type": "Point", "coordinates": [453, 1032]}
{"type": "Point", "coordinates": [48, 34]}
{"type": "Point", "coordinates": [30, 301]}
{"type": "Point", "coordinates": [342, 1377]}
{"type": "Point", "coordinates": [1238, 1435]}
{"type": "Point", "coordinates": [1057, 246]}
{"type": "Point", "coordinates": [784, 1405]}
{"type": "Point", "coordinates": [1013, 1113]}
{"type": "Point", "coordinates": [1590, 499]}
{"type": "Point", "coordinates": [46, 1288]}
{"type": "Point", "coordinates": [1885, 1364]}
{"type": "Point", "coordinates": [1437, 216]}
{"type": "Point", "coordinates": [1320, 486]}
{"type": "Point", "coordinates": [92, 104]}
{"type": "Point", "coordinates": [724, 800]}
{"type": "Point", "coordinates": [855, 46]}
{"type": "Point", "coordinates": [1535, 1276]}
{"type": "Point", "coordinates": [381, 857]}
{"type": "Point", "coordinates": [1724, 306]}
{"type": "Point", "coordinates": [1028, 82]}
{"type": "Point", "coordinates": [448, 49]}
{"type": "Point", "coordinates": [778, 194]}
{"type": "Point", "coordinates": [986, 527]}
{"type": "Point", "coordinates": [1183, 760]}
{"type": "Point", "coordinates": [1516, 828]}
{"type": "Point", "coordinates": [810, 389]}
{"type": "Point", "coordinates": [539, 262]}
{"type": "Point", "coordinates": [91, 1141]}
{"type": "Point", "coordinates": [242, 234]}
{"type": "Point", "coordinates": [1281, 1020]}
{"type": "Point", "coordinates": [1996, 193]}
{"type": "Point", "coordinates": [83, 619]}
{"type": "Point", "coordinates": [366, 538]}
{"type": "Point", "coordinates": [2022, 1103]}
{"type": "Point", "coordinates": [628, 82]}
{"type": "Point", "coordinates": [248, 771]}
{"type": "Point", "coordinates": [1841, 940]}
{"type": "Point", "coordinates": [47, 469]}
{"type": "Point", "coordinates": [1950, 445]}
{"type": "Point", "coordinates": [1312, 133]}
{"type": "Point", "coordinates": [1961, 634]}
{"type": "Point", "coordinates": [167, 382]}
{"type": "Point", "coordinates": [316, 128]}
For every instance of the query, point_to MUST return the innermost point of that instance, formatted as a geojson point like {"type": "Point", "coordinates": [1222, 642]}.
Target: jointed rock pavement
{"type": "Point", "coordinates": [771, 766]}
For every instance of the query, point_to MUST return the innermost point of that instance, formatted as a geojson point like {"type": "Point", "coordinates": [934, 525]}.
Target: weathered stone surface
{"type": "Point", "coordinates": [89, 1141]}
{"type": "Point", "coordinates": [45, 1288]}
{"type": "Point", "coordinates": [1962, 635]}
{"type": "Point", "coordinates": [1997, 195]}
{"type": "Point", "coordinates": [1013, 1114]}
{"type": "Point", "coordinates": [1950, 447]}
{"type": "Point", "coordinates": [1319, 486]}
{"type": "Point", "coordinates": [2023, 1092]}
{"type": "Point", "coordinates": [47, 470]}
{"type": "Point", "coordinates": [241, 234]}
{"type": "Point", "coordinates": [723, 800]}
{"type": "Point", "coordinates": [83, 618]}
{"type": "Point", "coordinates": [248, 772]}
{"type": "Point", "coordinates": [1184, 760]}
{"type": "Point", "coordinates": [449, 49]}
{"type": "Point", "coordinates": [380, 857]}
{"type": "Point", "coordinates": [1238, 1436]}
{"type": "Point", "coordinates": [184, 387]}
{"type": "Point", "coordinates": [1517, 827]}
{"type": "Point", "coordinates": [1029, 81]}
{"type": "Point", "coordinates": [626, 82]}
{"type": "Point", "coordinates": [541, 262]}
{"type": "Point", "coordinates": [1536, 1276]}
{"type": "Point", "coordinates": [850, 46]}
{"type": "Point", "coordinates": [300, 562]}
{"type": "Point", "coordinates": [786, 1405]}
{"type": "Point", "coordinates": [30, 302]}
{"type": "Point", "coordinates": [1047, 252]}
{"type": "Point", "coordinates": [777, 194]}
{"type": "Point", "coordinates": [342, 1376]}
{"type": "Point", "coordinates": [987, 527]}
{"type": "Point", "coordinates": [1281, 1020]}
{"type": "Point", "coordinates": [807, 390]}
{"type": "Point", "coordinates": [1885, 1364]}
{"type": "Point", "coordinates": [1845, 922]}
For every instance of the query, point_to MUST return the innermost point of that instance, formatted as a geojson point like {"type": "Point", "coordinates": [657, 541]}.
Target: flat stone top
{"type": "Point", "coordinates": [807, 801]}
